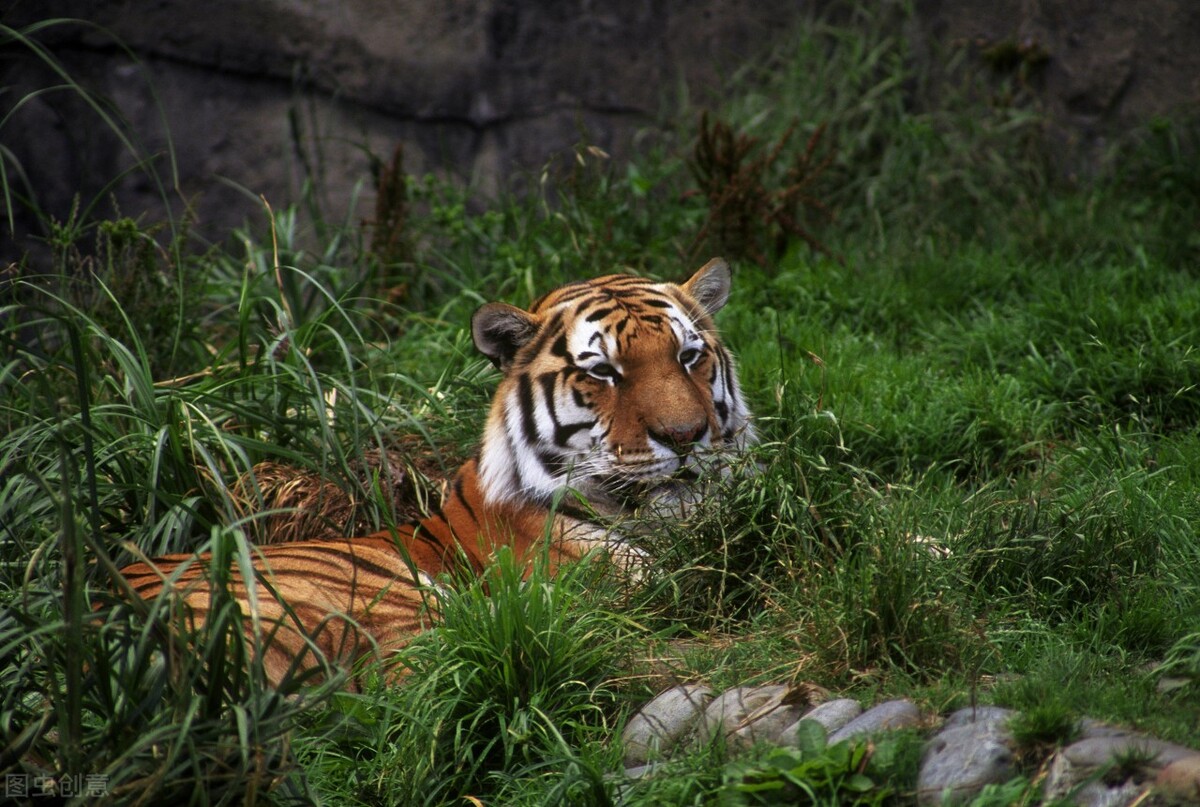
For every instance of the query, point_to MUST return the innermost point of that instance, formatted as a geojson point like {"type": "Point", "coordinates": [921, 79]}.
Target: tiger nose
{"type": "Point", "coordinates": [681, 436]}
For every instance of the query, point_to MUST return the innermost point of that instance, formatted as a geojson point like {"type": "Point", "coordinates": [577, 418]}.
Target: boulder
{"type": "Point", "coordinates": [748, 715]}
{"type": "Point", "coordinates": [832, 715]}
{"type": "Point", "coordinates": [659, 725]}
{"type": "Point", "coordinates": [958, 762]}
{"type": "Point", "coordinates": [897, 714]}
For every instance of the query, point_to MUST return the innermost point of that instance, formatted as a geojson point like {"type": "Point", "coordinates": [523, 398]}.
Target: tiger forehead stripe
{"type": "Point", "coordinates": [617, 287]}
{"type": "Point", "coordinates": [549, 331]}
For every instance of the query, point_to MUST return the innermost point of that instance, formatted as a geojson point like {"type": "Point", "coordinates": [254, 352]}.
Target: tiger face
{"type": "Point", "coordinates": [618, 388]}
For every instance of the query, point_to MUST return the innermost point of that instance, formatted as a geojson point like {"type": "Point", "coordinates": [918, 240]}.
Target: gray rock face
{"type": "Point", "coordinates": [1180, 780]}
{"type": "Point", "coordinates": [271, 93]}
{"type": "Point", "coordinates": [747, 715]}
{"type": "Point", "coordinates": [1100, 67]}
{"type": "Point", "coordinates": [832, 715]}
{"type": "Point", "coordinates": [896, 714]}
{"type": "Point", "coordinates": [661, 723]}
{"type": "Point", "coordinates": [1132, 760]}
{"type": "Point", "coordinates": [978, 714]}
{"type": "Point", "coordinates": [960, 760]}
{"type": "Point", "coordinates": [1147, 752]}
{"type": "Point", "coordinates": [1068, 783]}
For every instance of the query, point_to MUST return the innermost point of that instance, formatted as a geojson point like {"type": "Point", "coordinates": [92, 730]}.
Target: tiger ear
{"type": "Point", "coordinates": [500, 330]}
{"type": "Point", "coordinates": [710, 285]}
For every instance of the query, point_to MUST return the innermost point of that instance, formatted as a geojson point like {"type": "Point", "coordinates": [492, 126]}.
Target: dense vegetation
{"type": "Point", "coordinates": [976, 378]}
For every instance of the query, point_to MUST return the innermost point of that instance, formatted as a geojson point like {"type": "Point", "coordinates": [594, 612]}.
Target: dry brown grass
{"type": "Point", "coordinates": [283, 503]}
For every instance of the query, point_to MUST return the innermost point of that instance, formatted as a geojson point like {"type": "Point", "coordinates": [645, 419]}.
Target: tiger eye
{"type": "Point", "coordinates": [604, 371]}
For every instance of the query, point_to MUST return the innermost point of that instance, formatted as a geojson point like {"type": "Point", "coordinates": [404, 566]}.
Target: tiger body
{"type": "Point", "coordinates": [616, 390]}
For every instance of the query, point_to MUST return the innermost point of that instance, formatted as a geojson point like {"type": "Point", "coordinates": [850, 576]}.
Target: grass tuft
{"type": "Point", "coordinates": [516, 675]}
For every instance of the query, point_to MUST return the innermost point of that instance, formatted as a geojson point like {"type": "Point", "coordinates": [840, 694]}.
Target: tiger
{"type": "Point", "coordinates": [616, 394]}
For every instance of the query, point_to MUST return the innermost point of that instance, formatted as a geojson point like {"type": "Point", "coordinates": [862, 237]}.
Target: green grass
{"type": "Point", "coordinates": [515, 686]}
{"type": "Point", "coordinates": [979, 477]}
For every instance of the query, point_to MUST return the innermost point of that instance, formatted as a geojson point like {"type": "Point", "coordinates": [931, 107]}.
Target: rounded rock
{"type": "Point", "coordinates": [1089, 728]}
{"type": "Point", "coordinates": [747, 715]}
{"type": "Point", "coordinates": [1152, 754]}
{"type": "Point", "coordinates": [978, 714]}
{"type": "Point", "coordinates": [659, 725]}
{"type": "Point", "coordinates": [1098, 794]}
{"type": "Point", "coordinates": [832, 715]}
{"type": "Point", "coordinates": [898, 714]}
{"type": "Point", "coordinates": [960, 761]}
{"type": "Point", "coordinates": [1180, 780]}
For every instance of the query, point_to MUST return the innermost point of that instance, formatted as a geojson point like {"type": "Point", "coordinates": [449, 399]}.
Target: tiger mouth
{"type": "Point", "coordinates": [634, 490]}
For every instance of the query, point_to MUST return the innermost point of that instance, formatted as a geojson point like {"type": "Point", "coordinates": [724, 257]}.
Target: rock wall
{"type": "Point", "coordinates": [1099, 68]}
{"type": "Point", "coordinates": [263, 96]}
{"type": "Point", "coordinates": [260, 96]}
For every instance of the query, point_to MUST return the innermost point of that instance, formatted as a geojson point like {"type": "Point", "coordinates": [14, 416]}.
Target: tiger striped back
{"type": "Point", "coordinates": [616, 388]}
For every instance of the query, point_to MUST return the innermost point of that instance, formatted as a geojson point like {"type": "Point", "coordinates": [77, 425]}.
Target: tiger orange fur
{"type": "Point", "coordinates": [617, 389]}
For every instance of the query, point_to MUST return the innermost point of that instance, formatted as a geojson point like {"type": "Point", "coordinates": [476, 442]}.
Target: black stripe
{"type": "Point", "coordinates": [600, 313]}
{"type": "Point", "coordinates": [571, 511]}
{"type": "Point", "coordinates": [514, 473]}
{"type": "Point", "coordinates": [727, 372]}
{"type": "Point", "coordinates": [458, 491]}
{"type": "Point", "coordinates": [550, 329]}
{"type": "Point", "coordinates": [342, 553]}
{"type": "Point", "coordinates": [528, 422]}
{"type": "Point", "coordinates": [559, 348]}
{"type": "Point", "coordinates": [616, 285]}
{"type": "Point", "coordinates": [562, 432]}
{"type": "Point", "coordinates": [553, 462]}
{"type": "Point", "coordinates": [573, 291]}
{"type": "Point", "coordinates": [319, 576]}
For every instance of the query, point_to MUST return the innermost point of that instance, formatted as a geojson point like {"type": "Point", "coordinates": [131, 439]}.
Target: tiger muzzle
{"type": "Point", "coordinates": [680, 438]}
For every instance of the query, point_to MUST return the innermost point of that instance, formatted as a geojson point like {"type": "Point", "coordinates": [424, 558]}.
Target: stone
{"type": "Point", "coordinates": [1089, 728]}
{"type": "Point", "coordinates": [897, 714]}
{"type": "Point", "coordinates": [978, 714]}
{"type": "Point", "coordinates": [1066, 783]}
{"type": "Point", "coordinates": [832, 715]}
{"type": "Point", "coordinates": [748, 715]}
{"type": "Point", "coordinates": [487, 89]}
{"type": "Point", "coordinates": [1150, 753]}
{"type": "Point", "coordinates": [1179, 782]}
{"type": "Point", "coordinates": [959, 761]}
{"type": "Point", "coordinates": [1170, 683]}
{"type": "Point", "coordinates": [265, 91]}
{"type": "Point", "coordinates": [1098, 794]}
{"type": "Point", "coordinates": [639, 771]}
{"type": "Point", "coordinates": [659, 725]}
{"type": "Point", "coordinates": [1060, 777]}
{"type": "Point", "coordinates": [1070, 769]}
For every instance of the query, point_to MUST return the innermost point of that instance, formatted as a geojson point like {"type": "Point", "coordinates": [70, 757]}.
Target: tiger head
{"type": "Point", "coordinates": [618, 388]}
